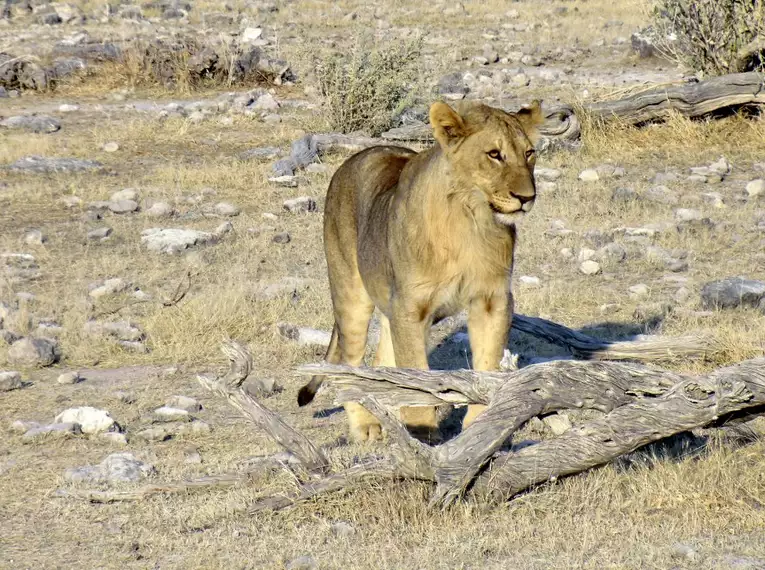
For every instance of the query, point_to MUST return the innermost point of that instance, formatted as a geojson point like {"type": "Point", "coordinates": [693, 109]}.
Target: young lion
{"type": "Point", "coordinates": [423, 236]}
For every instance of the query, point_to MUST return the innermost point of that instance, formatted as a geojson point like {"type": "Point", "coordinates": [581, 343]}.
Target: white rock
{"type": "Point", "coordinates": [115, 468]}
{"type": "Point", "coordinates": [109, 287]}
{"type": "Point", "coordinates": [34, 237]}
{"type": "Point", "coordinates": [160, 210]}
{"type": "Point", "coordinates": [10, 381]}
{"type": "Point", "coordinates": [300, 205]}
{"type": "Point", "coordinates": [111, 147]}
{"type": "Point", "coordinates": [529, 281]}
{"type": "Point", "coordinates": [67, 108]}
{"type": "Point", "coordinates": [286, 181]}
{"type": "Point", "coordinates": [590, 267]}
{"type": "Point", "coordinates": [756, 188]}
{"type": "Point", "coordinates": [91, 420]}
{"type": "Point", "coordinates": [585, 254]}
{"type": "Point", "coordinates": [183, 403]}
{"type": "Point", "coordinates": [174, 240]}
{"type": "Point", "coordinates": [226, 209]}
{"type": "Point", "coordinates": [266, 102]}
{"type": "Point", "coordinates": [639, 290]}
{"type": "Point", "coordinates": [589, 175]}
{"type": "Point", "coordinates": [549, 174]}
{"type": "Point", "coordinates": [69, 378]}
{"type": "Point", "coordinates": [304, 335]}
{"type": "Point", "coordinates": [566, 253]}
{"type": "Point", "coordinates": [251, 34]}
{"type": "Point", "coordinates": [558, 423]}
{"type": "Point", "coordinates": [169, 414]}
{"type": "Point", "coordinates": [687, 215]}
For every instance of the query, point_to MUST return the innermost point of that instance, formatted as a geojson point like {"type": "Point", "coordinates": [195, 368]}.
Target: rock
{"type": "Point", "coordinates": [660, 195]}
{"type": "Point", "coordinates": [613, 251]}
{"type": "Point", "coordinates": [317, 168]}
{"type": "Point", "coordinates": [226, 209]}
{"type": "Point", "coordinates": [529, 281]}
{"type": "Point", "coordinates": [43, 165]}
{"type": "Point", "coordinates": [160, 210]}
{"type": "Point", "coordinates": [34, 237]}
{"type": "Point", "coordinates": [99, 233]}
{"type": "Point", "coordinates": [548, 174]}
{"type": "Point", "coordinates": [300, 205]}
{"type": "Point", "coordinates": [302, 563]}
{"type": "Point", "coordinates": [585, 254]}
{"type": "Point", "coordinates": [452, 86]}
{"type": "Point", "coordinates": [91, 420]}
{"type": "Point", "coordinates": [639, 290]}
{"type": "Point", "coordinates": [284, 169]}
{"type": "Point", "coordinates": [194, 427]}
{"type": "Point", "coordinates": [682, 295]}
{"type": "Point", "coordinates": [115, 468]}
{"type": "Point", "coordinates": [69, 378]}
{"type": "Point", "coordinates": [287, 181]}
{"type": "Point", "coordinates": [687, 215]}
{"type": "Point", "coordinates": [282, 237]}
{"type": "Point", "coordinates": [304, 335]}
{"type": "Point", "coordinates": [59, 429]}
{"type": "Point", "coordinates": [265, 102]}
{"type": "Point", "coordinates": [250, 34]}
{"type": "Point", "coordinates": [33, 352]}
{"type": "Point", "coordinates": [589, 175]}
{"type": "Point", "coordinates": [114, 437]}
{"type": "Point", "coordinates": [222, 230]}
{"type": "Point", "coordinates": [123, 206]}
{"type": "Point", "coordinates": [732, 292]}
{"type": "Point", "coordinates": [713, 198]}
{"type": "Point", "coordinates": [558, 423]}
{"type": "Point", "coordinates": [126, 194]}
{"type": "Point", "coordinates": [174, 240]}
{"type": "Point", "coordinates": [721, 166]}
{"type": "Point", "coordinates": [10, 381]}
{"type": "Point", "coordinates": [71, 201]}
{"type": "Point", "coordinates": [342, 529]}
{"type": "Point", "coordinates": [23, 426]}
{"type": "Point", "coordinates": [520, 80]}
{"type": "Point", "coordinates": [262, 387]}
{"type": "Point", "coordinates": [154, 434]}
{"type": "Point", "coordinates": [304, 151]}
{"type": "Point", "coordinates": [184, 403]}
{"type": "Point", "coordinates": [121, 330]}
{"type": "Point", "coordinates": [756, 188]}
{"type": "Point", "coordinates": [168, 414]}
{"type": "Point", "coordinates": [623, 195]}
{"type": "Point", "coordinates": [590, 267]}
{"type": "Point", "coordinates": [610, 171]}
{"type": "Point", "coordinates": [109, 287]}
{"type": "Point", "coordinates": [31, 123]}
{"type": "Point", "coordinates": [110, 147]}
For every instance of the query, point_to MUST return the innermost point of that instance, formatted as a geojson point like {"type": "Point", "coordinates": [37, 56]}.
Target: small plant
{"type": "Point", "coordinates": [366, 88]}
{"type": "Point", "coordinates": [712, 36]}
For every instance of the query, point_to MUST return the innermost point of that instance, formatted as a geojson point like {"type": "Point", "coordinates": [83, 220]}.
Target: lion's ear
{"type": "Point", "coordinates": [531, 117]}
{"type": "Point", "coordinates": [447, 125]}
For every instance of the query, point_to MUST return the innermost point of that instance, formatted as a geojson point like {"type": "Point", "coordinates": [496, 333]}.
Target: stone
{"type": "Point", "coordinates": [756, 188]}
{"type": "Point", "coordinates": [721, 166]}
{"type": "Point", "coordinates": [732, 293]}
{"type": "Point", "coordinates": [31, 123]}
{"type": "Point", "coordinates": [585, 254]}
{"type": "Point", "coordinates": [183, 403]}
{"type": "Point", "coordinates": [44, 165]}
{"type": "Point", "coordinates": [160, 210]}
{"type": "Point", "coordinates": [115, 468]}
{"type": "Point", "coordinates": [126, 194]}
{"type": "Point", "coordinates": [590, 267]}
{"type": "Point", "coordinates": [33, 352]}
{"type": "Point", "coordinates": [99, 234]}
{"type": "Point", "coordinates": [91, 420]}
{"type": "Point", "coordinates": [589, 175]}
{"type": "Point", "coordinates": [154, 434]}
{"type": "Point", "coordinates": [288, 181]}
{"type": "Point", "coordinates": [69, 378]}
{"type": "Point", "coordinates": [123, 206]}
{"type": "Point", "coordinates": [226, 209]}
{"type": "Point", "coordinates": [114, 437]}
{"type": "Point", "coordinates": [558, 423]}
{"type": "Point", "coordinates": [262, 387]}
{"type": "Point", "coordinates": [715, 199]}
{"type": "Point", "coordinates": [251, 34]}
{"type": "Point", "coordinates": [302, 563]}
{"type": "Point", "coordinates": [548, 174]}
{"type": "Point", "coordinates": [639, 290]}
{"type": "Point", "coordinates": [174, 240]}
{"type": "Point", "coordinates": [452, 86]}
{"type": "Point", "coordinates": [304, 335]}
{"type": "Point", "coordinates": [35, 237]}
{"type": "Point", "coordinates": [10, 381]}
{"type": "Point", "coordinates": [265, 102]}
{"type": "Point", "coordinates": [56, 429]}
{"type": "Point", "coordinates": [23, 426]}
{"type": "Point", "coordinates": [688, 215]}
{"type": "Point", "coordinates": [610, 171]}
{"type": "Point", "coordinates": [168, 414]}
{"type": "Point", "coordinates": [317, 168]}
{"type": "Point", "coordinates": [111, 147]}
{"type": "Point", "coordinates": [284, 169]}
{"type": "Point", "coordinates": [520, 80]}
{"type": "Point", "coordinates": [71, 201]}
{"type": "Point", "coordinates": [109, 287]}
{"type": "Point", "coordinates": [121, 330]}
{"type": "Point", "coordinates": [282, 238]}
{"type": "Point", "coordinates": [529, 281]}
{"type": "Point", "coordinates": [661, 195]}
{"type": "Point", "coordinates": [613, 251]}
{"type": "Point", "coordinates": [300, 205]}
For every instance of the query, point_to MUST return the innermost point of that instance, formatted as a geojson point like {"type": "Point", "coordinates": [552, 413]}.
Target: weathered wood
{"type": "Point", "coordinates": [229, 386]}
{"type": "Point", "coordinates": [694, 402]}
{"type": "Point", "coordinates": [690, 99]}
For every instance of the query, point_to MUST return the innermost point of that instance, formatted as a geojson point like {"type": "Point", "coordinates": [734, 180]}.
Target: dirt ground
{"type": "Point", "coordinates": [179, 147]}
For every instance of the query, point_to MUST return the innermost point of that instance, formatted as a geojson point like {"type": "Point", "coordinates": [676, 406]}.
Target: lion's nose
{"type": "Point", "coordinates": [524, 199]}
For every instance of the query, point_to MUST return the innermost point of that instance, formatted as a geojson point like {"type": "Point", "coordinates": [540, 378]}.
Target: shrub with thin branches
{"type": "Point", "coordinates": [366, 88]}
{"type": "Point", "coordinates": [712, 36]}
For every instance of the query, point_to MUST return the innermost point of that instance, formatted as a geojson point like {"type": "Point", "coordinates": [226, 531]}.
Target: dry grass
{"type": "Point", "coordinates": [608, 518]}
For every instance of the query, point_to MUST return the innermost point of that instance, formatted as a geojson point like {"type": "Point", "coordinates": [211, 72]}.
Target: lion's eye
{"type": "Point", "coordinates": [530, 153]}
{"type": "Point", "coordinates": [495, 154]}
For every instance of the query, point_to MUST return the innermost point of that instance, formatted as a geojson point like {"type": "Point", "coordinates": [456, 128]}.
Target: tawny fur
{"type": "Point", "coordinates": [423, 236]}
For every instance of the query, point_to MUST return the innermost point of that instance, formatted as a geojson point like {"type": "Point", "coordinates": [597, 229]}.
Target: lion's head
{"type": "Point", "coordinates": [491, 151]}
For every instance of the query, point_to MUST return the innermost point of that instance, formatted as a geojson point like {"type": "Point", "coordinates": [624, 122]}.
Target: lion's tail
{"type": "Point", "coordinates": [307, 392]}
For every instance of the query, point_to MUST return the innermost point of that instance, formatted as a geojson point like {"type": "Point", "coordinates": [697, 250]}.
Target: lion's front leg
{"type": "Point", "coordinates": [488, 329]}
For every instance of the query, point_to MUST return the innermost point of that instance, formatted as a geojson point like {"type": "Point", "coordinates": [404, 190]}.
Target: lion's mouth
{"type": "Point", "coordinates": [507, 218]}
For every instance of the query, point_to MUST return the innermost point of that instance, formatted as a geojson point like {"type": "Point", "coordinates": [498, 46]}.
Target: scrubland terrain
{"type": "Point", "coordinates": [138, 322]}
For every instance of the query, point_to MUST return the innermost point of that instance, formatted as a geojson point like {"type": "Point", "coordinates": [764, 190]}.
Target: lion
{"type": "Point", "coordinates": [421, 236]}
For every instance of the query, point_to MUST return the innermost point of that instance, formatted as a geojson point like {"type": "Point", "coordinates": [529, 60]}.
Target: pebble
{"type": "Point", "coordinates": [123, 206]}
{"type": "Point", "coordinates": [183, 403]}
{"type": "Point", "coordinates": [167, 414]}
{"type": "Point", "coordinates": [111, 147]}
{"type": "Point", "coordinates": [109, 287]}
{"type": "Point", "coordinates": [154, 434]}
{"type": "Point", "coordinates": [639, 290]}
{"type": "Point", "coordinates": [590, 267]}
{"type": "Point", "coordinates": [282, 237]}
{"type": "Point", "coordinates": [126, 194]}
{"type": "Point", "coordinates": [34, 237]}
{"type": "Point", "coordinates": [91, 420]}
{"type": "Point", "coordinates": [756, 188]}
{"type": "Point", "coordinates": [300, 205]}
{"type": "Point", "coordinates": [115, 468]}
{"type": "Point", "coordinates": [10, 381]}
{"type": "Point", "coordinates": [69, 378]}
{"type": "Point", "coordinates": [160, 210]}
{"type": "Point", "coordinates": [589, 175]}
{"type": "Point", "coordinates": [304, 335]}
{"type": "Point", "coordinates": [99, 233]}
{"type": "Point", "coordinates": [558, 423]}
{"type": "Point", "coordinates": [529, 281]}
{"type": "Point", "coordinates": [287, 181]}
{"type": "Point", "coordinates": [226, 209]}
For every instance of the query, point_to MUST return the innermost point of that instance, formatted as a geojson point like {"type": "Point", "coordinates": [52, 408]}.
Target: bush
{"type": "Point", "coordinates": [365, 89]}
{"type": "Point", "coordinates": [712, 36]}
